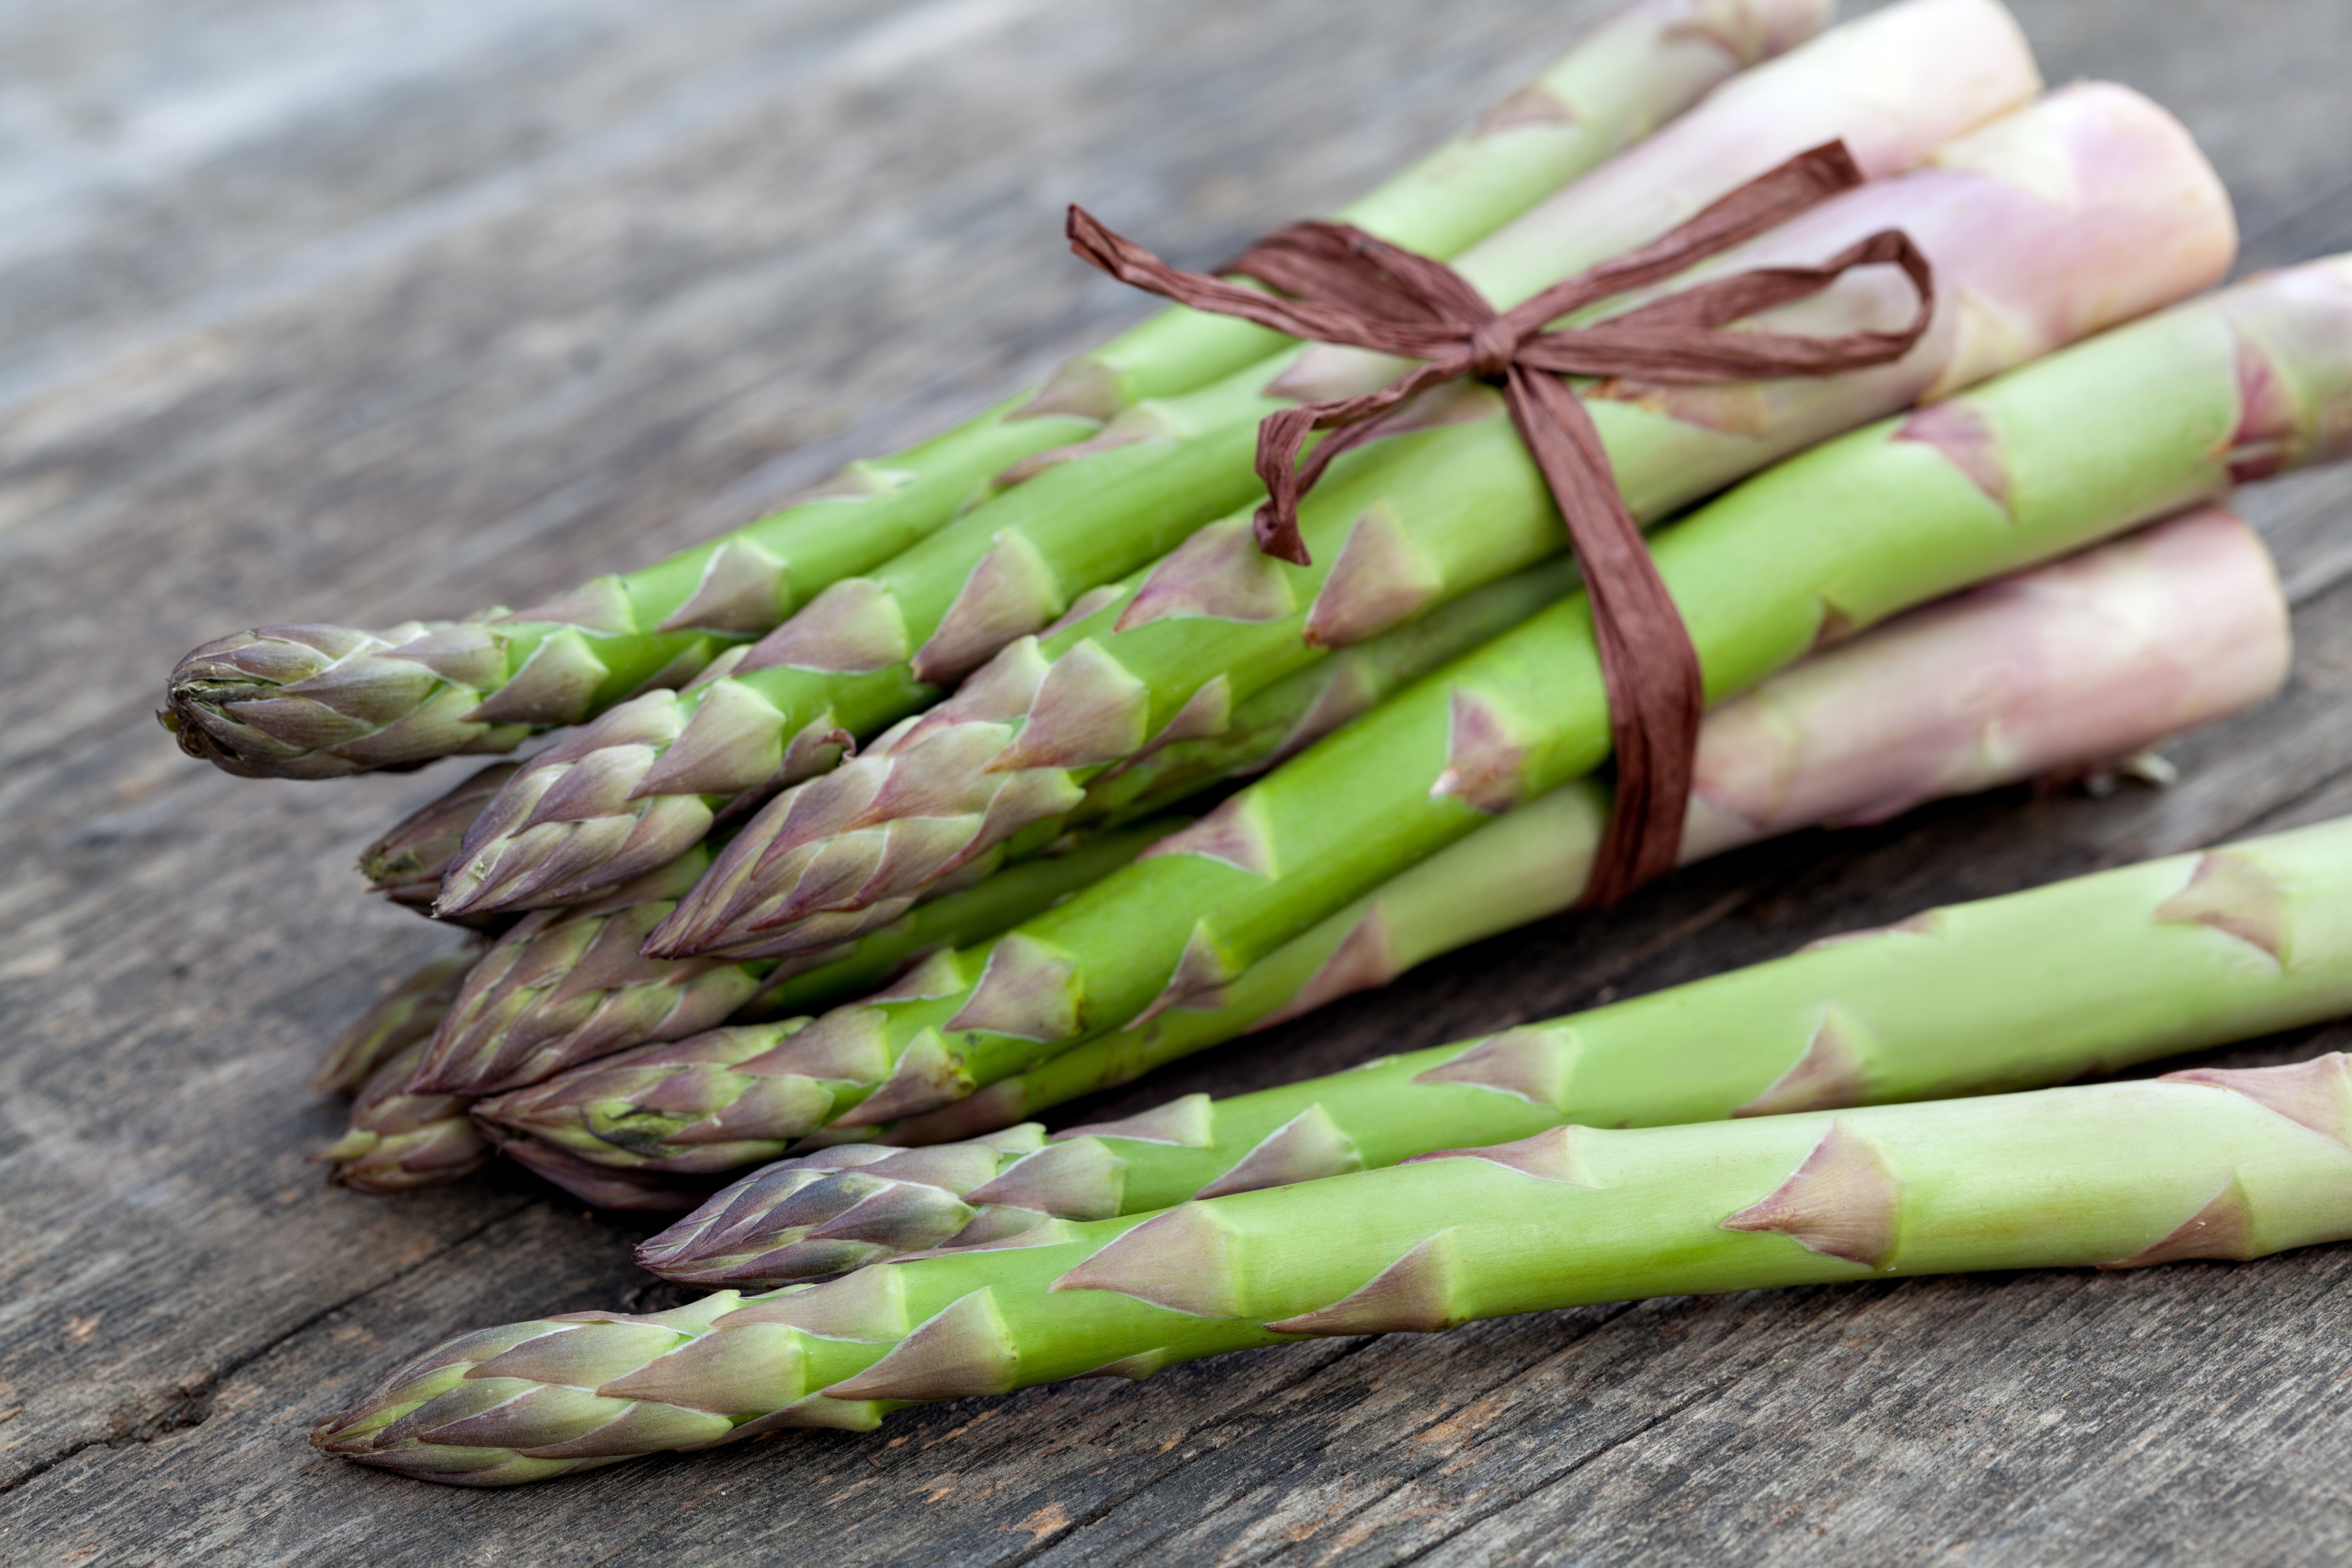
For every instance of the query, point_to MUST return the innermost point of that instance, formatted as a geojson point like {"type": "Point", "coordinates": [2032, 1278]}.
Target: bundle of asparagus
{"type": "Point", "coordinates": [2164, 213]}
{"type": "Point", "coordinates": [646, 782]}
{"type": "Point", "coordinates": [2092, 973]}
{"type": "Point", "coordinates": [1049, 630]}
{"type": "Point", "coordinates": [2156, 229]}
{"type": "Point", "coordinates": [2072, 449]}
{"type": "Point", "coordinates": [317, 701]}
{"type": "Point", "coordinates": [321, 702]}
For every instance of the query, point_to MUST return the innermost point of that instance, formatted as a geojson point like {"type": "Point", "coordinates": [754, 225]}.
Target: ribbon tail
{"type": "Point", "coordinates": [1648, 667]}
{"type": "Point", "coordinates": [1282, 437]}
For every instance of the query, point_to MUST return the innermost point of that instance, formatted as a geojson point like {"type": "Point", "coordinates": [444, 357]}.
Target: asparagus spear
{"type": "Point", "coordinates": [2074, 663]}
{"type": "Point", "coordinates": [2044, 460]}
{"type": "Point", "coordinates": [407, 864]}
{"type": "Point", "coordinates": [1432, 513]}
{"type": "Point", "coordinates": [398, 1140]}
{"type": "Point", "coordinates": [567, 986]}
{"type": "Point", "coordinates": [321, 702]}
{"type": "Point", "coordinates": [407, 1015]}
{"type": "Point", "coordinates": [2205, 1164]}
{"type": "Point", "coordinates": [644, 782]}
{"type": "Point", "coordinates": [1880, 1017]}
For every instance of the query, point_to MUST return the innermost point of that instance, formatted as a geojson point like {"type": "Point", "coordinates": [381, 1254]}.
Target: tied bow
{"type": "Point", "coordinates": [1338, 285]}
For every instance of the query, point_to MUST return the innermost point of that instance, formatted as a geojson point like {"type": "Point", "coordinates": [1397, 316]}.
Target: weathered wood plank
{"type": "Point", "coordinates": [543, 285]}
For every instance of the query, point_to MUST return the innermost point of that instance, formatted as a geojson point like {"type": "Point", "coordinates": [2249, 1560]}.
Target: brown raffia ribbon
{"type": "Point", "coordinates": [1339, 284]}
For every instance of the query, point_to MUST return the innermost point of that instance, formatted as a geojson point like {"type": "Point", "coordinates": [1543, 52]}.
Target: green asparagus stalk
{"type": "Point", "coordinates": [568, 986]}
{"type": "Point", "coordinates": [645, 782]}
{"type": "Point", "coordinates": [407, 1015]}
{"type": "Point", "coordinates": [2037, 463]}
{"type": "Point", "coordinates": [407, 864]}
{"type": "Point", "coordinates": [319, 702]}
{"type": "Point", "coordinates": [1432, 513]}
{"type": "Point", "coordinates": [397, 1141]}
{"type": "Point", "coordinates": [2206, 1164]}
{"type": "Point", "coordinates": [2072, 664]}
{"type": "Point", "coordinates": [1956, 1001]}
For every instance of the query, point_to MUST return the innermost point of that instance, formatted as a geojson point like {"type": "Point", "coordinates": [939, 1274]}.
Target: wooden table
{"type": "Point", "coordinates": [354, 311]}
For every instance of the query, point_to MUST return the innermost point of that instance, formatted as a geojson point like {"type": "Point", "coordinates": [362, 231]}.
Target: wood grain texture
{"type": "Point", "coordinates": [358, 309]}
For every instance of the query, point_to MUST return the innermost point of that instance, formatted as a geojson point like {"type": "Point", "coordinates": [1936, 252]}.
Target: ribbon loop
{"type": "Point", "coordinates": [1336, 284]}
